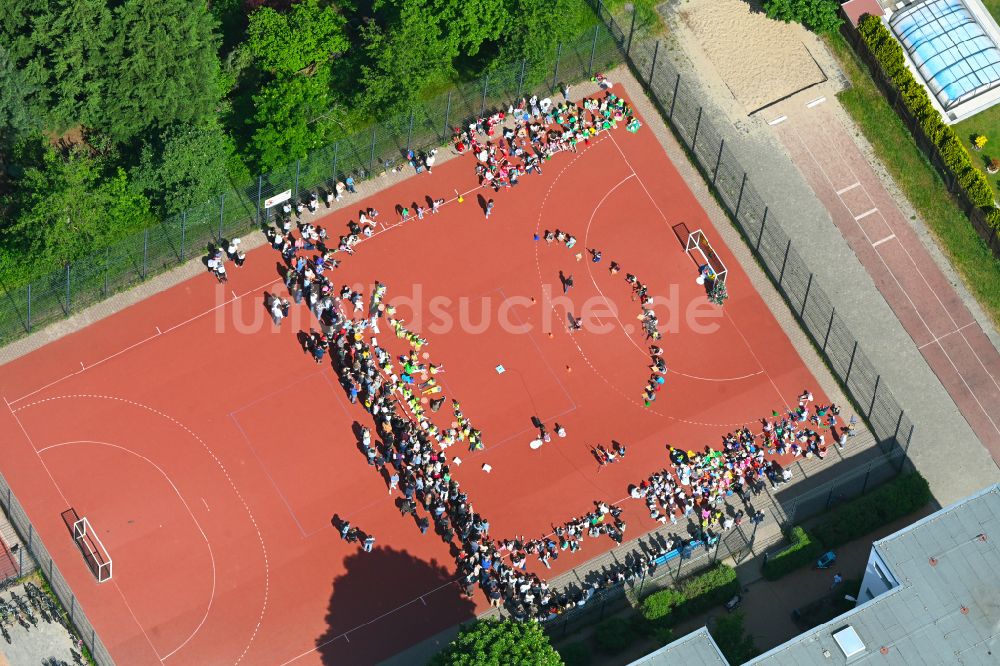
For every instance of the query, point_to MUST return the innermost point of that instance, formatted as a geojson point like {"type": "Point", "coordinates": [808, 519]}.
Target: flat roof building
{"type": "Point", "coordinates": [930, 596]}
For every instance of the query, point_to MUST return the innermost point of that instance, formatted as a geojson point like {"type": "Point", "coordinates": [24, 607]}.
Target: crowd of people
{"type": "Point", "coordinates": [401, 393]}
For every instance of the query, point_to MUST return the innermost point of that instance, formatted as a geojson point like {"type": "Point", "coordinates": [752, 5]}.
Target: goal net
{"type": "Point", "coordinates": [94, 552]}
{"type": "Point", "coordinates": [699, 248]}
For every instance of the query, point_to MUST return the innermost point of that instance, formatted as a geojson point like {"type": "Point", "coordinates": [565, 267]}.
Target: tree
{"type": "Point", "coordinates": [541, 25]}
{"type": "Point", "coordinates": [499, 643]}
{"type": "Point", "coordinates": [67, 210]}
{"type": "Point", "coordinates": [816, 15]}
{"type": "Point", "coordinates": [74, 35]}
{"type": "Point", "coordinates": [189, 166]}
{"type": "Point", "coordinates": [293, 116]}
{"type": "Point", "coordinates": [165, 67]}
{"type": "Point", "coordinates": [288, 43]}
{"type": "Point", "coordinates": [16, 115]}
{"type": "Point", "coordinates": [405, 55]}
{"type": "Point", "coordinates": [734, 643]}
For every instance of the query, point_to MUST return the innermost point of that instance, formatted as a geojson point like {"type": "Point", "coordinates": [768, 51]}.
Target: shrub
{"type": "Point", "coordinates": [890, 501]}
{"type": "Point", "coordinates": [993, 217]}
{"type": "Point", "coordinates": [734, 643]}
{"type": "Point", "coordinates": [817, 15]}
{"type": "Point", "coordinates": [613, 635]}
{"type": "Point", "coordinates": [662, 603]}
{"type": "Point", "coordinates": [576, 654]}
{"type": "Point", "coordinates": [716, 586]}
{"type": "Point", "coordinates": [889, 54]}
{"type": "Point", "coordinates": [802, 550]}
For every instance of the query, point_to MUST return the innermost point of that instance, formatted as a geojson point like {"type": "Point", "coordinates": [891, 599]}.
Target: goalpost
{"type": "Point", "coordinates": [94, 552]}
{"type": "Point", "coordinates": [697, 242]}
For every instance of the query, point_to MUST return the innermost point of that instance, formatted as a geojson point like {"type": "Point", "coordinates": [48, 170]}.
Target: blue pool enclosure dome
{"type": "Point", "coordinates": [953, 46]}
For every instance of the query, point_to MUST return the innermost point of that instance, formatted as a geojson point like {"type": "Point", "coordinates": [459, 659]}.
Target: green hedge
{"type": "Point", "coordinates": [889, 55]}
{"type": "Point", "coordinates": [891, 501]}
{"type": "Point", "coordinates": [613, 635]}
{"type": "Point", "coordinates": [711, 588]}
{"type": "Point", "coordinates": [803, 550]}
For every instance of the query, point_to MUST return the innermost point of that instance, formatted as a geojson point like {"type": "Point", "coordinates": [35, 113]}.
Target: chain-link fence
{"type": "Point", "coordinates": [366, 153]}
{"type": "Point", "coordinates": [36, 549]}
{"type": "Point", "coordinates": [771, 246]}
{"type": "Point", "coordinates": [682, 564]}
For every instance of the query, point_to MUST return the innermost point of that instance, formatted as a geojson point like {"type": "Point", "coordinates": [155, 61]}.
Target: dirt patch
{"type": "Point", "coordinates": [759, 60]}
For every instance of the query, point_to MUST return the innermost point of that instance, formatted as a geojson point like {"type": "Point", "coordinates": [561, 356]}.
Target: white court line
{"type": "Point", "coordinates": [208, 544]}
{"type": "Point", "coordinates": [848, 188]}
{"type": "Point", "coordinates": [942, 337]}
{"type": "Point", "coordinates": [84, 368]}
{"type": "Point", "coordinates": [778, 120]}
{"type": "Point", "coordinates": [887, 238]}
{"type": "Point", "coordinates": [815, 102]}
{"type": "Point", "coordinates": [865, 214]}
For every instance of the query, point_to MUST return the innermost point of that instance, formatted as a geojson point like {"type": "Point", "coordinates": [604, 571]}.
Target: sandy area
{"type": "Point", "coordinates": [760, 60]}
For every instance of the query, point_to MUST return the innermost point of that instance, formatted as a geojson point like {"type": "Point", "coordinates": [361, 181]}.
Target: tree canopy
{"type": "Point", "coordinates": [499, 643]}
{"type": "Point", "coordinates": [135, 106]}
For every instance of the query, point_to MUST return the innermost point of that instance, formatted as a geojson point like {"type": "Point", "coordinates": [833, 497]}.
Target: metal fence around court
{"type": "Point", "coordinates": [30, 541]}
{"type": "Point", "coordinates": [368, 152]}
{"type": "Point", "coordinates": [679, 104]}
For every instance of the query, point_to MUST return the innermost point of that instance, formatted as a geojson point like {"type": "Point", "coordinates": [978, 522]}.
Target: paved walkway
{"type": "Point", "coordinates": [933, 314]}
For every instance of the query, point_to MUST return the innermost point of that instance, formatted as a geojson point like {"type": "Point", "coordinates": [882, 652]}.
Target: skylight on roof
{"type": "Point", "coordinates": [849, 641]}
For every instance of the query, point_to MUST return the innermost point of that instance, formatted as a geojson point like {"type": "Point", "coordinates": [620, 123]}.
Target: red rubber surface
{"type": "Point", "coordinates": [209, 452]}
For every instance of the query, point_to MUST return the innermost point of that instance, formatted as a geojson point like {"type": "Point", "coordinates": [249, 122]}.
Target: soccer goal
{"type": "Point", "coordinates": [94, 552]}
{"type": "Point", "coordinates": [706, 256]}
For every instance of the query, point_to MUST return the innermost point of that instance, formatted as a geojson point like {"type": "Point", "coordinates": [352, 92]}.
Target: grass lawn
{"type": "Point", "coordinates": [986, 123]}
{"type": "Point", "coordinates": [919, 181]}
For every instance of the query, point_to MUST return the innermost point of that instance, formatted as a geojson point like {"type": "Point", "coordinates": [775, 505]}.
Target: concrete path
{"type": "Point", "coordinates": [930, 310]}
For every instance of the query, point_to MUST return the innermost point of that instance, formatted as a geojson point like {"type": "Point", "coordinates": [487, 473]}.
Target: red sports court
{"type": "Point", "coordinates": [209, 453]}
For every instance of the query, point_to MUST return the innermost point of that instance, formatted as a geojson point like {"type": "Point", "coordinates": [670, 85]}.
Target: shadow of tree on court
{"type": "Point", "coordinates": [367, 622]}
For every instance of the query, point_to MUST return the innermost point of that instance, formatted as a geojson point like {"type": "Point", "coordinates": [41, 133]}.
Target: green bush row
{"type": "Point", "coordinates": [711, 588]}
{"type": "Point", "coordinates": [890, 501]}
{"type": "Point", "coordinates": [804, 548]}
{"type": "Point", "coordinates": [889, 54]}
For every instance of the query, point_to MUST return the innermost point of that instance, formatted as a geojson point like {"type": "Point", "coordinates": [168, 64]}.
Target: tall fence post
{"type": "Point", "coordinates": [899, 423]}
{"type": "Point", "coordinates": [29, 308]}
{"type": "Point", "coordinates": [69, 294]}
{"type": "Point", "coordinates": [486, 91]}
{"type": "Point", "coordinates": [593, 49]}
{"type": "Point", "coordinates": [260, 183]}
{"type": "Point", "coordinates": [652, 65]}
{"type": "Point", "coordinates": [184, 216]}
{"type": "Point", "coordinates": [371, 160]}
{"type": "Point", "coordinates": [871, 408]}
{"type": "Point", "coordinates": [145, 253]}
{"type": "Point", "coordinates": [718, 161]}
{"type": "Point", "coordinates": [694, 139]}
{"type": "Point", "coordinates": [336, 155]}
{"type": "Point", "coordinates": [222, 214]}
{"type": "Point", "coordinates": [829, 327]}
{"type": "Point", "coordinates": [297, 164]}
{"type": "Point", "coordinates": [760, 236]}
{"type": "Point", "coordinates": [805, 298]}
{"type": "Point", "coordinates": [555, 69]}
{"type": "Point", "coordinates": [677, 87]}
{"type": "Point", "coordinates": [520, 80]}
{"type": "Point", "coordinates": [784, 261]}
{"type": "Point", "coordinates": [739, 198]}
{"type": "Point", "coordinates": [850, 365]}
{"type": "Point", "coordinates": [447, 115]}
{"type": "Point", "coordinates": [628, 48]}
{"type": "Point", "coordinates": [409, 132]}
